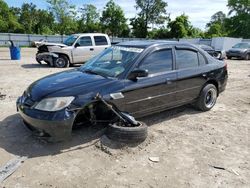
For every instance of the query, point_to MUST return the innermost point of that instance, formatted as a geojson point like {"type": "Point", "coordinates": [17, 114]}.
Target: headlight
{"type": "Point", "coordinates": [54, 104]}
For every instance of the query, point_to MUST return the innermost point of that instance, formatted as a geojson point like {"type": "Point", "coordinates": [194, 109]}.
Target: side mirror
{"type": "Point", "coordinates": [137, 74]}
{"type": "Point", "coordinates": [77, 45]}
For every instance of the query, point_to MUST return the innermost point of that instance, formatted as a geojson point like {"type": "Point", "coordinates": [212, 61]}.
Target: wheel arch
{"type": "Point", "coordinates": [59, 53]}
{"type": "Point", "coordinates": [214, 82]}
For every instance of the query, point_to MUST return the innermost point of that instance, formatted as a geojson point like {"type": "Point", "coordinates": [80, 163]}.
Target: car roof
{"type": "Point", "coordinates": [148, 43]}
{"type": "Point", "coordinates": [89, 34]}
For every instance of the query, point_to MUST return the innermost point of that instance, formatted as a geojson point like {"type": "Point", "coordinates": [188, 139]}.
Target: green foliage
{"type": "Point", "coordinates": [64, 14]}
{"type": "Point", "coordinates": [62, 18]}
{"type": "Point", "coordinates": [8, 21]}
{"type": "Point", "coordinates": [113, 20]}
{"type": "Point", "coordinates": [239, 22]}
{"type": "Point", "coordinates": [180, 27]}
{"type": "Point", "coordinates": [216, 27]}
{"type": "Point", "coordinates": [161, 33]}
{"type": "Point", "coordinates": [89, 19]}
{"type": "Point", "coordinates": [138, 27]}
{"type": "Point", "coordinates": [151, 12]}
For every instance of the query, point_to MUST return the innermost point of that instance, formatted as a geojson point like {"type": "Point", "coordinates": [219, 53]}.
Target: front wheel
{"type": "Point", "coordinates": [61, 62]}
{"type": "Point", "coordinates": [208, 97]}
{"type": "Point", "coordinates": [247, 57]}
{"type": "Point", "coordinates": [127, 134]}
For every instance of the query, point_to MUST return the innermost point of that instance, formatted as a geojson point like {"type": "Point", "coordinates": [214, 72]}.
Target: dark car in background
{"type": "Point", "coordinates": [136, 77]}
{"type": "Point", "coordinates": [214, 53]}
{"type": "Point", "coordinates": [240, 50]}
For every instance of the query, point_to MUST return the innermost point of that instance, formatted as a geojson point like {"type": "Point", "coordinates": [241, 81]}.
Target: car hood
{"type": "Point", "coordinates": [67, 83]}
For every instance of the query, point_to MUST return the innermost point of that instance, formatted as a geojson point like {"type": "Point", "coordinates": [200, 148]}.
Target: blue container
{"type": "Point", "coordinates": [15, 53]}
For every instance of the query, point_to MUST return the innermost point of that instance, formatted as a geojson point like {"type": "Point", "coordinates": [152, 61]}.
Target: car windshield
{"type": "Point", "coordinates": [242, 45]}
{"type": "Point", "coordinates": [112, 62]}
{"type": "Point", "coordinates": [70, 40]}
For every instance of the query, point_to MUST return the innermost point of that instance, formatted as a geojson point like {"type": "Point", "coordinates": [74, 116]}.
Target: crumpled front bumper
{"type": "Point", "coordinates": [47, 57]}
{"type": "Point", "coordinates": [53, 126]}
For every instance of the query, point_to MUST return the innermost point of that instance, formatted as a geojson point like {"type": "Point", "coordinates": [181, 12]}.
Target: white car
{"type": "Point", "coordinates": [77, 48]}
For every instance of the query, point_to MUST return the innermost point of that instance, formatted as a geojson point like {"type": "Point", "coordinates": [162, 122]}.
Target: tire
{"type": "Point", "coordinates": [207, 98]}
{"type": "Point", "coordinates": [247, 57]}
{"type": "Point", "coordinates": [127, 134]}
{"type": "Point", "coordinates": [38, 61]}
{"type": "Point", "coordinates": [61, 62]}
{"type": "Point", "coordinates": [228, 57]}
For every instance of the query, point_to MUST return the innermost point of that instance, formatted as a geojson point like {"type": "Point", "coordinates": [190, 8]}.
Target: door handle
{"type": "Point", "coordinates": [91, 49]}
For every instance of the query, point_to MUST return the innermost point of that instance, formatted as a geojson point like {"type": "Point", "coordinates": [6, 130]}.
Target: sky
{"type": "Point", "coordinates": [199, 11]}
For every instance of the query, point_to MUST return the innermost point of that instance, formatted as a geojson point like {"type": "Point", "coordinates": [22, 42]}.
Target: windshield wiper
{"type": "Point", "coordinates": [93, 72]}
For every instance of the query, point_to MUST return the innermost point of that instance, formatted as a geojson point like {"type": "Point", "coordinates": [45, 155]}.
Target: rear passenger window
{"type": "Point", "coordinates": [186, 59]}
{"type": "Point", "coordinates": [100, 40]}
{"type": "Point", "coordinates": [159, 61]}
{"type": "Point", "coordinates": [202, 60]}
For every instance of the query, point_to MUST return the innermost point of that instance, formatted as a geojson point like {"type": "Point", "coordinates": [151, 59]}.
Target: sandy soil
{"type": "Point", "coordinates": [187, 142]}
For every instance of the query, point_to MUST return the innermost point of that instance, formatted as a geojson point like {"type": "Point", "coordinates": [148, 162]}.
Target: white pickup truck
{"type": "Point", "coordinates": [77, 48]}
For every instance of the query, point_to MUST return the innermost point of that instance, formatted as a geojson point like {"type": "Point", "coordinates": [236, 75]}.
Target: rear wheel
{"type": "Point", "coordinates": [208, 97]}
{"type": "Point", "coordinates": [228, 57]}
{"type": "Point", "coordinates": [61, 62]}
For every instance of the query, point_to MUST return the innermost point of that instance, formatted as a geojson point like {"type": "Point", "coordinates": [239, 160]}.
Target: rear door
{"type": "Point", "coordinates": [155, 91]}
{"type": "Point", "coordinates": [191, 73]}
{"type": "Point", "coordinates": [83, 49]}
{"type": "Point", "coordinates": [101, 43]}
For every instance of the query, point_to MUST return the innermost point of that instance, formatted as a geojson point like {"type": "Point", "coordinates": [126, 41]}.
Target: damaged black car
{"type": "Point", "coordinates": [131, 79]}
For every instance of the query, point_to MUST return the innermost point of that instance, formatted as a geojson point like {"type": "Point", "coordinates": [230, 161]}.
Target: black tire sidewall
{"type": "Point", "coordinates": [127, 134]}
{"type": "Point", "coordinates": [65, 60]}
{"type": "Point", "coordinates": [201, 101]}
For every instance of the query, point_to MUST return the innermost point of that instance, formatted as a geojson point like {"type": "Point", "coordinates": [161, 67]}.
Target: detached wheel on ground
{"type": "Point", "coordinates": [61, 62]}
{"type": "Point", "coordinates": [127, 134]}
{"type": "Point", "coordinates": [208, 97]}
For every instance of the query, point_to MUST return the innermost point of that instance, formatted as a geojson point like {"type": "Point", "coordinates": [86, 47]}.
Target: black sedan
{"type": "Point", "coordinates": [139, 78]}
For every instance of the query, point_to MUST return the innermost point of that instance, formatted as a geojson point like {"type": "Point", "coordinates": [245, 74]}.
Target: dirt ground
{"type": "Point", "coordinates": [187, 142]}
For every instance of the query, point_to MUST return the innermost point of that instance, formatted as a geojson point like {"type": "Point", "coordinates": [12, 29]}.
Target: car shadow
{"type": "Point", "coordinates": [16, 139]}
{"type": "Point", "coordinates": [169, 114]}
{"type": "Point", "coordinates": [4, 59]}
{"type": "Point", "coordinates": [30, 66]}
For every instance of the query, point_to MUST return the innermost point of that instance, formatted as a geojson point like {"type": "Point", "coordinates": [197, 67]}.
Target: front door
{"type": "Point", "coordinates": [83, 49]}
{"type": "Point", "coordinates": [157, 91]}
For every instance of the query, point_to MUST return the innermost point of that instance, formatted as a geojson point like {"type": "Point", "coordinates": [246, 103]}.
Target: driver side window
{"type": "Point", "coordinates": [84, 41]}
{"type": "Point", "coordinates": [157, 62]}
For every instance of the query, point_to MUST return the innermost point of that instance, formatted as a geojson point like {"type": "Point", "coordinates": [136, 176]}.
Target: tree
{"type": "Point", "coordinates": [45, 22]}
{"type": "Point", "coordinates": [138, 27]}
{"type": "Point", "coordinates": [239, 22]}
{"type": "Point", "coordinates": [113, 20]}
{"type": "Point", "coordinates": [89, 19]}
{"type": "Point", "coordinates": [8, 21]}
{"type": "Point", "coordinates": [216, 27]}
{"type": "Point", "coordinates": [64, 14]}
{"type": "Point", "coordinates": [151, 12]}
{"type": "Point", "coordinates": [179, 28]}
